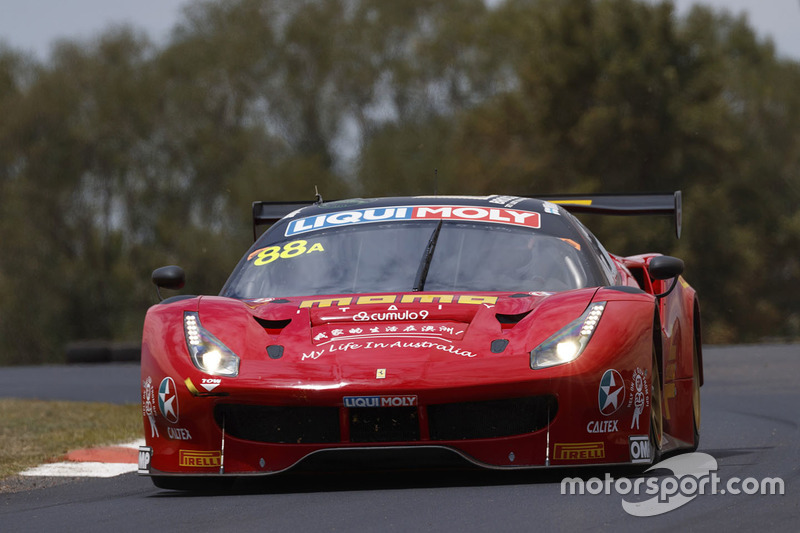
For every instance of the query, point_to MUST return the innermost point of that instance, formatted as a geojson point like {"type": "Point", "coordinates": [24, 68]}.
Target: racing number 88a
{"type": "Point", "coordinates": [289, 250]}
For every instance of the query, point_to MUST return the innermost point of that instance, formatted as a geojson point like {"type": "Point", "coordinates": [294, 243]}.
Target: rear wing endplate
{"type": "Point", "coordinates": [266, 213]}
{"type": "Point", "coordinates": [623, 204]}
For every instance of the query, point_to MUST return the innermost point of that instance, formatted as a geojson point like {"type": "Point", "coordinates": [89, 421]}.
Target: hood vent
{"type": "Point", "coordinates": [511, 319]}
{"type": "Point", "coordinates": [273, 324]}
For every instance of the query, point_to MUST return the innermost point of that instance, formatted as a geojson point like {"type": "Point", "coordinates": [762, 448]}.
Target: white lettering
{"type": "Point", "coordinates": [371, 214]}
{"type": "Point", "coordinates": [602, 426]}
{"type": "Point", "coordinates": [519, 216]}
{"type": "Point", "coordinates": [470, 212]}
{"type": "Point", "coordinates": [345, 217]}
{"type": "Point", "coordinates": [494, 214]}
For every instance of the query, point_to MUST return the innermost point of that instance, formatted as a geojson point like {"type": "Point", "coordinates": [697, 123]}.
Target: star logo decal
{"type": "Point", "coordinates": [611, 393]}
{"type": "Point", "coordinates": [168, 400]}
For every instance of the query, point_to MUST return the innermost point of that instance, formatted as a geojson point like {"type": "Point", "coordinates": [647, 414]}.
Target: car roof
{"type": "Point", "coordinates": [496, 201]}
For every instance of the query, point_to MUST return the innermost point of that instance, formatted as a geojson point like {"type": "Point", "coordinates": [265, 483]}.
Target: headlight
{"type": "Point", "coordinates": [569, 343]}
{"type": "Point", "coordinates": [207, 352]}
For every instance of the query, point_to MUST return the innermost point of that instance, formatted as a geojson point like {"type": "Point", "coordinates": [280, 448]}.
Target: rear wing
{"type": "Point", "coordinates": [623, 204]}
{"type": "Point", "coordinates": [266, 213]}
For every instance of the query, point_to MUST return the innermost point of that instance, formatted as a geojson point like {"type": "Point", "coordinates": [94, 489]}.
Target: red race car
{"type": "Point", "coordinates": [495, 328]}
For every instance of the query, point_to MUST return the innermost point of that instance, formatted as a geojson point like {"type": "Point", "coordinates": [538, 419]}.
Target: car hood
{"type": "Point", "coordinates": [420, 326]}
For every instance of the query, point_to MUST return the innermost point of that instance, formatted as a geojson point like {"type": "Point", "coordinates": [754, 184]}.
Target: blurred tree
{"type": "Point", "coordinates": [118, 156]}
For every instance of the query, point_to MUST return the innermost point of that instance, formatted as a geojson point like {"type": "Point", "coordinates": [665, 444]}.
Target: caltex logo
{"type": "Point", "coordinates": [168, 400]}
{"type": "Point", "coordinates": [611, 393]}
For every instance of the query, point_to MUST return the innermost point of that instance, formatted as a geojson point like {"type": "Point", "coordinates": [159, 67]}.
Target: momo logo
{"type": "Point", "coordinates": [168, 400]}
{"type": "Point", "coordinates": [380, 401]}
{"type": "Point", "coordinates": [611, 392]}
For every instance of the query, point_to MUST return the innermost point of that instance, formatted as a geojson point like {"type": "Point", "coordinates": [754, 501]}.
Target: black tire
{"type": "Point", "coordinates": [656, 413]}
{"type": "Point", "coordinates": [695, 395]}
{"type": "Point", "coordinates": [193, 483]}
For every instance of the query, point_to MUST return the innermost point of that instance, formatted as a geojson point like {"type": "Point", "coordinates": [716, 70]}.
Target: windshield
{"type": "Point", "coordinates": [389, 257]}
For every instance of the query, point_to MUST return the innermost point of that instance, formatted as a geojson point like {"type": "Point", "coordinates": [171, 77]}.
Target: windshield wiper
{"type": "Point", "coordinates": [422, 273]}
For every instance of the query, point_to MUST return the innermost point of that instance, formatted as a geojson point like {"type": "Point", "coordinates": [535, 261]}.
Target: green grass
{"type": "Point", "coordinates": [33, 432]}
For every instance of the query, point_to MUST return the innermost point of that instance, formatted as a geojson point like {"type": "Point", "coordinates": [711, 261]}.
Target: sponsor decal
{"type": "Point", "coordinates": [388, 316]}
{"type": "Point", "coordinates": [639, 447]}
{"type": "Point", "coordinates": [380, 401]}
{"type": "Point", "coordinates": [445, 331]}
{"type": "Point", "coordinates": [168, 400]}
{"type": "Point", "coordinates": [611, 392]}
{"type": "Point", "coordinates": [145, 454]}
{"type": "Point", "coordinates": [576, 451]}
{"type": "Point", "coordinates": [502, 199]}
{"type": "Point", "coordinates": [210, 384]}
{"type": "Point", "coordinates": [179, 434]}
{"type": "Point", "coordinates": [200, 459]}
{"type": "Point", "coordinates": [149, 405]}
{"type": "Point", "coordinates": [640, 397]}
{"type": "Point", "coordinates": [602, 426]}
{"type": "Point", "coordinates": [372, 345]}
{"type": "Point", "coordinates": [419, 212]}
{"type": "Point", "coordinates": [551, 208]}
{"type": "Point", "coordinates": [401, 298]}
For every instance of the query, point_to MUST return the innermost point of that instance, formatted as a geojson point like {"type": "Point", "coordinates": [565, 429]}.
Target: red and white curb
{"type": "Point", "coordinates": [107, 461]}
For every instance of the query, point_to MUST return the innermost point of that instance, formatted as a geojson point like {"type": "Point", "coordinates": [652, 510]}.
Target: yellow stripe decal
{"type": "Point", "coordinates": [573, 202]}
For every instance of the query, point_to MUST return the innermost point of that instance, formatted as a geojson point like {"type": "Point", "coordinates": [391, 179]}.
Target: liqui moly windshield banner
{"type": "Point", "coordinates": [415, 212]}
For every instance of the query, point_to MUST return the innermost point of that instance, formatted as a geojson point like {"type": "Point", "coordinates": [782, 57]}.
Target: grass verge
{"type": "Point", "coordinates": [33, 432]}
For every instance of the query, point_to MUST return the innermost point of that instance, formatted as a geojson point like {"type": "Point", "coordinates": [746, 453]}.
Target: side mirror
{"type": "Point", "coordinates": [168, 277]}
{"type": "Point", "coordinates": [665, 267]}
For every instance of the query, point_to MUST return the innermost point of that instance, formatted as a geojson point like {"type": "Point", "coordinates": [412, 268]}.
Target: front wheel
{"type": "Point", "coordinates": [656, 418]}
{"type": "Point", "coordinates": [696, 396]}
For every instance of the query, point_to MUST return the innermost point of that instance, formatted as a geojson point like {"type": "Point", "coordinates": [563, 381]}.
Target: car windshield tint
{"type": "Point", "coordinates": [388, 258]}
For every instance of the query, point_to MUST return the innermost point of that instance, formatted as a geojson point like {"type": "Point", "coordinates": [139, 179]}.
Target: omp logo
{"type": "Point", "coordinates": [575, 451]}
{"type": "Point", "coordinates": [200, 459]}
{"type": "Point", "coordinates": [639, 447]}
{"type": "Point", "coordinates": [380, 401]}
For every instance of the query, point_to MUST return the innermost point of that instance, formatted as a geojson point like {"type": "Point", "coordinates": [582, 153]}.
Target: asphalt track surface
{"type": "Point", "coordinates": [750, 426]}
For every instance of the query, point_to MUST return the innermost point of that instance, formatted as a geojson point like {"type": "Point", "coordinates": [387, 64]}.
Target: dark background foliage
{"type": "Point", "coordinates": [118, 156]}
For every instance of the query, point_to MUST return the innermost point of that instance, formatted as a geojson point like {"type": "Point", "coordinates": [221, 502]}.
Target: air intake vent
{"type": "Point", "coordinates": [273, 324]}
{"type": "Point", "coordinates": [511, 319]}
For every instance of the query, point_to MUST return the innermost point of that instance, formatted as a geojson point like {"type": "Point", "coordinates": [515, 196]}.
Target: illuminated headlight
{"type": "Point", "coordinates": [569, 343]}
{"type": "Point", "coordinates": [207, 352]}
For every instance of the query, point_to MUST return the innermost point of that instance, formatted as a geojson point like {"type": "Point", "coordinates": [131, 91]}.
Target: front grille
{"type": "Point", "coordinates": [383, 424]}
{"type": "Point", "coordinates": [451, 421]}
{"type": "Point", "coordinates": [491, 419]}
{"type": "Point", "coordinates": [294, 425]}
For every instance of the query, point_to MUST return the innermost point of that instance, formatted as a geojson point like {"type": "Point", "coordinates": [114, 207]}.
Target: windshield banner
{"type": "Point", "coordinates": [418, 212]}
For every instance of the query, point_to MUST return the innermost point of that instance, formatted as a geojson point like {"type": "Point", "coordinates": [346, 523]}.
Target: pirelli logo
{"type": "Point", "coordinates": [576, 451]}
{"type": "Point", "coordinates": [200, 459]}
